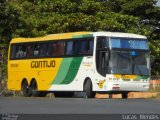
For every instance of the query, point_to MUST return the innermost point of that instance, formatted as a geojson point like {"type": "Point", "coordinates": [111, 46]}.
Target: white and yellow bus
{"type": "Point", "coordinates": [103, 62]}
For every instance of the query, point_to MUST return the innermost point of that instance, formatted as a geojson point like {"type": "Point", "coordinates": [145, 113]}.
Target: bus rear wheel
{"type": "Point", "coordinates": [35, 92]}
{"type": "Point", "coordinates": [26, 89]}
{"type": "Point", "coordinates": [87, 88]}
{"type": "Point", "coordinates": [34, 88]}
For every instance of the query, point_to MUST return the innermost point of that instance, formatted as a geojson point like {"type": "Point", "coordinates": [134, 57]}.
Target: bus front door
{"type": "Point", "coordinates": [102, 65]}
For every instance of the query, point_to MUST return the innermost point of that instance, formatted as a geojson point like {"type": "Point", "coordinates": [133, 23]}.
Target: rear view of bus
{"type": "Point", "coordinates": [123, 61]}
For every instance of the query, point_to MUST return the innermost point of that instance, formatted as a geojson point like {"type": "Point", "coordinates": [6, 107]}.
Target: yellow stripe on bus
{"type": "Point", "coordinates": [125, 76]}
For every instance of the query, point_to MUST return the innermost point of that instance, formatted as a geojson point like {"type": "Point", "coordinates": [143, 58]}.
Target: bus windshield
{"type": "Point", "coordinates": [129, 56]}
{"type": "Point", "coordinates": [129, 62]}
{"type": "Point", "coordinates": [126, 56]}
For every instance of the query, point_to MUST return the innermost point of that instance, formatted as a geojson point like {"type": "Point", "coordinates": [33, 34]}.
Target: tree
{"type": "Point", "coordinates": [149, 20]}
{"type": "Point", "coordinates": [9, 23]}
{"type": "Point", "coordinates": [33, 18]}
{"type": "Point", "coordinates": [52, 16]}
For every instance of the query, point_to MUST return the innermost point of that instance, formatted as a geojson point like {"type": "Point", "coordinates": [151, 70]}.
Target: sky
{"type": "Point", "coordinates": [158, 3]}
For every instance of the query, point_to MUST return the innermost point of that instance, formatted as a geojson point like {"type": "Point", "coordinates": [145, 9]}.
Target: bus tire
{"type": "Point", "coordinates": [110, 95]}
{"type": "Point", "coordinates": [26, 89]}
{"type": "Point", "coordinates": [34, 88]}
{"type": "Point", "coordinates": [124, 95]}
{"type": "Point", "coordinates": [87, 88]}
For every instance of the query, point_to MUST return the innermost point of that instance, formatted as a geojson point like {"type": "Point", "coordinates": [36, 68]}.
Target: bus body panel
{"type": "Point", "coordinates": [37, 69]}
{"type": "Point", "coordinates": [112, 83]}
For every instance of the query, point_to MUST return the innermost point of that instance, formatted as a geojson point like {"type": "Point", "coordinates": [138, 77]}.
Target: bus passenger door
{"type": "Point", "coordinates": [102, 62]}
{"type": "Point", "coordinates": [102, 55]}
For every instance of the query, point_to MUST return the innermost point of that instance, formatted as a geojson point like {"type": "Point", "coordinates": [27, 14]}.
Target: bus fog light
{"type": "Point", "coordinates": [116, 87]}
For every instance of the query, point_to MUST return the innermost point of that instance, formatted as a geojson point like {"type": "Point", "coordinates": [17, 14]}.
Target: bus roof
{"type": "Point", "coordinates": [54, 37]}
{"type": "Point", "coordinates": [76, 35]}
{"type": "Point", "coordinates": [119, 34]}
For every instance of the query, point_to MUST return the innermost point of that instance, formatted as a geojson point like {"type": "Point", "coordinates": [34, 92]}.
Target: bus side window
{"type": "Point", "coordinates": [61, 46]}
{"type": "Point", "coordinates": [90, 47]}
{"type": "Point", "coordinates": [21, 51]}
{"type": "Point", "coordinates": [36, 50]}
{"type": "Point", "coordinates": [13, 52]}
{"type": "Point", "coordinates": [69, 49]}
{"type": "Point", "coordinates": [77, 48]}
{"type": "Point", "coordinates": [55, 48]}
{"type": "Point", "coordinates": [102, 42]}
{"type": "Point", "coordinates": [24, 50]}
{"type": "Point", "coordinates": [43, 49]}
{"type": "Point", "coordinates": [83, 47]}
{"type": "Point", "coordinates": [49, 49]}
{"type": "Point", "coordinates": [29, 51]}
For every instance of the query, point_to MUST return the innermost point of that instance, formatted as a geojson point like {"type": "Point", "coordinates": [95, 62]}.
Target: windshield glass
{"type": "Point", "coordinates": [129, 43]}
{"type": "Point", "coordinates": [129, 62]}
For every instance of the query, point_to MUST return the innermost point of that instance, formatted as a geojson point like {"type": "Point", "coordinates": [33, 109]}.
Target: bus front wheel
{"type": "Point", "coordinates": [87, 88]}
{"type": "Point", "coordinates": [124, 95]}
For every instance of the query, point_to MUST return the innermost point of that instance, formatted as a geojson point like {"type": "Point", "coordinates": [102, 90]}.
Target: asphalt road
{"type": "Point", "coordinates": [32, 105]}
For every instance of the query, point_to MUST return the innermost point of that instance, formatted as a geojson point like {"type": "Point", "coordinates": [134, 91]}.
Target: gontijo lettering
{"type": "Point", "coordinates": [43, 64]}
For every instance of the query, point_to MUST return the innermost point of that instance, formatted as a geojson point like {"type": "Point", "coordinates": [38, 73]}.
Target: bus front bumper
{"type": "Point", "coordinates": [127, 86]}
